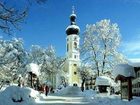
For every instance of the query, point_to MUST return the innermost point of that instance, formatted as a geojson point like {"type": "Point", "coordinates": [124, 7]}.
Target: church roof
{"type": "Point", "coordinates": [72, 28]}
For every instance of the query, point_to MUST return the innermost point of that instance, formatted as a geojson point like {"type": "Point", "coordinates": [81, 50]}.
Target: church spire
{"type": "Point", "coordinates": [73, 16]}
{"type": "Point", "coordinates": [73, 10]}
{"type": "Point", "coordinates": [72, 28]}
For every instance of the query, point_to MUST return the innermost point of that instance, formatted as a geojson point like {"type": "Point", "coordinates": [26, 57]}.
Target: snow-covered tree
{"type": "Point", "coordinates": [47, 59]}
{"type": "Point", "coordinates": [85, 72]}
{"type": "Point", "coordinates": [100, 46]}
{"type": "Point", "coordinates": [37, 54]}
{"type": "Point", "coordinates": [12, 58]}
{"type": "Point", "coordinates": [53, 64]}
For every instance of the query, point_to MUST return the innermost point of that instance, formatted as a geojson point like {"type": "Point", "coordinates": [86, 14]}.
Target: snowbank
{"type": "Point", "coordinates": [104, 99]}
{"type": "Point", "coordinates": [34, 68]}
{"type": "Point", "coordinates": [88, 94]}
{"type": "Point", "coordinates": [103, 80]}
{"type": "Point", "coordinates": [69, 90]}
{"type": "Point", "coordinates": [14, 95]}
{"type": "Point", "coordinates": [124, 70]}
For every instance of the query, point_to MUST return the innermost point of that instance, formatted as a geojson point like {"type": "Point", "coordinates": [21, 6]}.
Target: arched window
{"type": "Point", "coordinates": [75, 65]}
{"type": "Point", "coordinates": [75, 73]}
{"type": "Point", "coordinates": [75, 38]}
{"type": "Point", "coordinates": [75, 45]}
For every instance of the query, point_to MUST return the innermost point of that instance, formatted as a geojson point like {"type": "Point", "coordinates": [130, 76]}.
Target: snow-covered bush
{"type": "Point", "coordinates": [15, 94]}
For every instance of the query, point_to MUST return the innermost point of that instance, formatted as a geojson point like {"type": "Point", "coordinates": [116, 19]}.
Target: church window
{"type": "Point", "coordinates": [75, 45]}
{"type": "Point", "coordinates": [75, 73]}
{"type": "Point", "coordinates": [74, 65]}
{"type": "Point", "coordinates": [75, 38]}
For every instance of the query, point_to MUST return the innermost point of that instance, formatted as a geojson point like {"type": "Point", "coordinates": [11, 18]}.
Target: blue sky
{"type": "Point", "coordinates": [46, 24]}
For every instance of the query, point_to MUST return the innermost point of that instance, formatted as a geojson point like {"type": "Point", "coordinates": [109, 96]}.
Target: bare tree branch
{"type": "Point", "coordinates": [11, 17]}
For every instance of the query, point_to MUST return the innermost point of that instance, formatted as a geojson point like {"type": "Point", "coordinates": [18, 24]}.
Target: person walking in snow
{"type": "Point", "coordinates": [20, 81]}
{"type": "Point", "coordinates": [82, 88]}
{"type": "Point", "coordinates": [46, 90]}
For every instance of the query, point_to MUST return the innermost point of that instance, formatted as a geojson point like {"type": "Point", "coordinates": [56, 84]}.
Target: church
{"type": "Point", "coordinates": [72, 58]}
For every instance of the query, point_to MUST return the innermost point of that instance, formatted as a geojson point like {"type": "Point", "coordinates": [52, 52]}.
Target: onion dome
{"type": "Point", "coordinates": [72, 28]}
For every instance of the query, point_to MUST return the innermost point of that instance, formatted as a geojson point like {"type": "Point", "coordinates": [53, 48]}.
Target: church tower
{"type": "Point", "coordinates": [72, 52]}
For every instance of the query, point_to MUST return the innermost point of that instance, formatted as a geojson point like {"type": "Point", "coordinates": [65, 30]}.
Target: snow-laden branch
{"type": "Point", "coordinates": [100, 45]}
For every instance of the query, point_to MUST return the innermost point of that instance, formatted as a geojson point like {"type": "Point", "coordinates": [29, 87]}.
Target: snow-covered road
{"type": "Point", "coordinates": [63, 100]}
{"type": "Point", "coordinates": [68, 96]}
{"type": "Point", "coordinates": [74, 96]}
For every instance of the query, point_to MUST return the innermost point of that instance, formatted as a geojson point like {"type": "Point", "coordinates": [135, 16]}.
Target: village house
{"type": "Point", "coordinates": [136, 80]}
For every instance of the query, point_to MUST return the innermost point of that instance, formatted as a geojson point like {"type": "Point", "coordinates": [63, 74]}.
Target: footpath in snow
{"type": "Point", "coordinates": [74, 96]}
{"type": "Point", "coordinates": [67, 96]}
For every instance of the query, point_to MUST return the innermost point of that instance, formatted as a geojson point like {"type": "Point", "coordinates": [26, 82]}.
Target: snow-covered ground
{"type": "Point", "coordinates": [66, 96]}
{"type": "Point", "coordinates": [13, 95]}
{"type": "Point", "coordinates": [105, 99]}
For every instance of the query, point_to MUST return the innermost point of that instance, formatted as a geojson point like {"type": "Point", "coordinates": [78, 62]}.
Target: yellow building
{"type": "Point", "coordinates": [69, 73]}
{"type": "Point", "coordinates": [72, 53]}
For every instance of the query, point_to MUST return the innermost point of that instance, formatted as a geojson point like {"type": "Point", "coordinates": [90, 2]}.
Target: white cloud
{"type": "Point", "coordinates": [132, 48]}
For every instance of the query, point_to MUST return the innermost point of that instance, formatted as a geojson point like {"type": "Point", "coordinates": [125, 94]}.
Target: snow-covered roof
{"type": "Point", "coordinates": [124, 70]}
{"type": "Point", "coordinates": [134, 62]}
{"type": "Point", "coordinates": [73, 26]}
{"type": "Point", "coordinates": [103, 80]}
{"type": "Point", "coordinates": [73, 15]}
{"type": "Point", "coordinates": [34, 68]}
